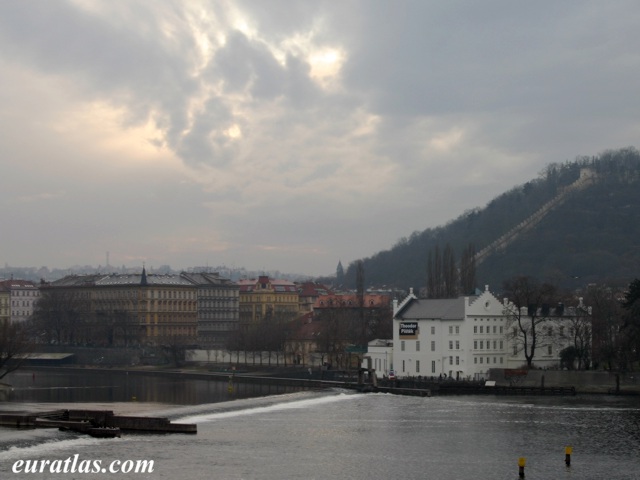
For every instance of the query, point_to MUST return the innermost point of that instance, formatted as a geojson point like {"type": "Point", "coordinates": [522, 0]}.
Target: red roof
{"type": "Point", "coordinates": [352, 301]}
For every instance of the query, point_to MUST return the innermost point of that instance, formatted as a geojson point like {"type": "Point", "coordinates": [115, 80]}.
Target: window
{"type": "Point", "coordinates": [433, 330]}
{"type": "Point", "coordinates": [488, 360]}
{"type": "Point", "coordinates": [481, 359]}
{"type": "Point", "coordinates": [481, 344]}
{"type": "Point", "coordinates": [515, 349]}
{"type": "Point", "coordinates": [475, 329]}
{"type": "Point", "coordinates": [481, 329]}
{"type": "Point", "coordinates": [457, 360]}
{"type": "Point", "coordinates": [501, 329]}
{"type": "Point", "coordinates": [501, 345]}
{"type": "Point", "coordinates": [495, 344]}
{"type": "Point", "coordinates": [549, 349]}
{"type": "Point", "coordinates": [457, 344]}
{"type": "Point", "coordinates": [417, 366]}
{"type": "Point", "coordinates": [450, 330]}
{"type": "Point", "coordinates": [450, 360]}
{"type": "Point", "coordinates": [475, 344]}
{"type": "Point", "coordinates": [450, 344]}
{"type": "Point", "coordinates": [501, 360]}
{"type": "Point", "coordinates": [402, 345]}
{"type": "Point", "coordinates": [495, 328]}
{"type": "Point", "coordinates": [433, 346]}
{"type": "Point", "coordinates": [402, 366]}
{"type": "Point", "coordinates": [417, 345]}
{"type": "Point", "coordinates": [457, 330]}
{"type": "Point", "coordinates": [433, 366]}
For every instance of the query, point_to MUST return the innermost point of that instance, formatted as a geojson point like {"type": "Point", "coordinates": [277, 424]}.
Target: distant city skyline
{"type": "Point", "coordinates": [280, 135]}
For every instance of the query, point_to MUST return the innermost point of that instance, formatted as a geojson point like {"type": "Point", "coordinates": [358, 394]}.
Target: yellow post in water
{"type": "Point", "coordinates": [521, 463]}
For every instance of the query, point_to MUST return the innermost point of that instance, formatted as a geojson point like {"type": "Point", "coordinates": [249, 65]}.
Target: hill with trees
{"type": "Point", "coordinates": [559, 228]}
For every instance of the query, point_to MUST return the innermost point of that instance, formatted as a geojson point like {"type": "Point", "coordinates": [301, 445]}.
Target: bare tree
{"type": "Point", "coordinates": [606, 312]}
{"type": "Point", "coordinates": [334, 333]}
{"type": "Point", "coordinates": [468, 269]}
{"type": "Point", "coordinates": [577, 329]}
{"type": "Point", "coordinates": [449, 273]}
{"type": "Point", "coordinates": [61, 317]}
{"type": "Point", "coordinates": [176, 349]}
{"type": "Point", "coordinates": [15, 346]}
{"type": "Point", "coordinates": [630, 328]}
{"type": "Point", "coordinates": [527, 312]}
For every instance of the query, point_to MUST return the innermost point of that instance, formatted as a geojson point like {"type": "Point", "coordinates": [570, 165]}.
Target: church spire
{"type": "Point", "coordinates": [143, 278]}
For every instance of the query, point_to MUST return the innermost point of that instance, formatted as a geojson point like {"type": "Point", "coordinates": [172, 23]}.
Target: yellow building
{"type": "Point", "coordinates": [267, 299]}
{"type": "Point", "coordinates": [121, 309]}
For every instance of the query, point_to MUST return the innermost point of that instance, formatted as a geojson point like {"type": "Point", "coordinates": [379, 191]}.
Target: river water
{"type": "Point", "coordinates": [331, 434]}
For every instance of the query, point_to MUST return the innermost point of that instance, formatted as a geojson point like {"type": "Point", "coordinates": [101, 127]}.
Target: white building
{"type": "Point", "coordinates": [461, 337]}
{"type": "Point", "coordinates": [557, 328]}
{"type": "Point", "coordinates": [381, 353]}
{"type": "Point", "coordinates": [24, 294]}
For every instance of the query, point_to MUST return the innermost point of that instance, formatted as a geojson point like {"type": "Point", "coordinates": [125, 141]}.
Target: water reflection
{"type": "Point", "coordinates": [98, 386]}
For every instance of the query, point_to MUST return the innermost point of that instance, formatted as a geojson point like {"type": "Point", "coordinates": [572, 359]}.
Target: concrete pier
{"type": "Point", "coordinates": [85, 420]}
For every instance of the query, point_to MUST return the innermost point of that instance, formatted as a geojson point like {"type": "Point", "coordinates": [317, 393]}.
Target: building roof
{"type": "Point", "coordinates": [434, 308]}
{"type": "Point", "coordinates": [11, 284]}
{"type": "Point", "coordinates": [278, 286]}
{"type": "Point", "coordinates": [305, 328]}
{"type": "Point", "coordinates": [313, 289]}
{"type": "Point", "coordinates": [352, 301]}
{"type": "Point", "coordinates": [205, 279]}
{"type": "Point", "coordinates": [136, 279]}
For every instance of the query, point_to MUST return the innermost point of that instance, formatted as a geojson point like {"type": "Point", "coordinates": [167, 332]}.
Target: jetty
{"type": "Point", "coordinates": [97, 423]}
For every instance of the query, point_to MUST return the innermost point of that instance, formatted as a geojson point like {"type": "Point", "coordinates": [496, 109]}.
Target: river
{"type": "Point", "coordinates": [330, 434]}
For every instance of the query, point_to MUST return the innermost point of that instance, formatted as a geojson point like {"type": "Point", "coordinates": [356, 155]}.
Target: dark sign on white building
{"type": "Point", "coordinates": [409, 330]}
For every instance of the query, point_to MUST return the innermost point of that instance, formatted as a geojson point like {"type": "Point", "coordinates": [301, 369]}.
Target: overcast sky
{"type": "Point", "coordinates": [290, 134]}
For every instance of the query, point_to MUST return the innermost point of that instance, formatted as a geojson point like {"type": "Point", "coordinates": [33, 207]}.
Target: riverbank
{"type": "Point", "coordinates": [534, 382]}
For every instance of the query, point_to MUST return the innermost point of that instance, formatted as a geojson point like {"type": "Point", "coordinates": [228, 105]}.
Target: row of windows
{"type": "Point", "coordinates": [480, 360]}
{"type": "Point", "coordinates": [219, 293]}
{"type": "Point", "coordinates": [25, 303]}
{"type": "Point", "coordinates": [262, 299]}
{"type": "Point", "coordinates": [481, 329]}
{"type": "Point", "coordinates": [480, 344]}
{"type": "Point", "coordinates": [155, 294]}
{"type": "Point", "coordinates": [217, 314]}
{"type": "Point", "coordinates": [549, 350]}
{"type": "Point", "coordinates": [433, 364]}
{"type": "Point", "coordinates": [455, 345]}
{"type": "Point", "coordinates": [25, 293]}
{"type": "Point", "coordinates": [218, 304]}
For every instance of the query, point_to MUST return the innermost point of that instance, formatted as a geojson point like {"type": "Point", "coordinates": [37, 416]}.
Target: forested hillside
{"type": "Point", "coordinates": [592, 236]}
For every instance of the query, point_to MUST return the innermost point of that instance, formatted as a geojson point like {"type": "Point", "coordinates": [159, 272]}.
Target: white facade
{"type": "Point", "coordinates": [559, 328]}
{"type": "Point", "coordinates": [380, 351]}
{"type": "Point", "coordinates": [23, 297]}
{"type": "Point", "coordinates": [459, 338]}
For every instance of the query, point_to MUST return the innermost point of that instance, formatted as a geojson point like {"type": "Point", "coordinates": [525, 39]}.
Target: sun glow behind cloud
{"type": "Point", "coordinates": [326, 65]}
